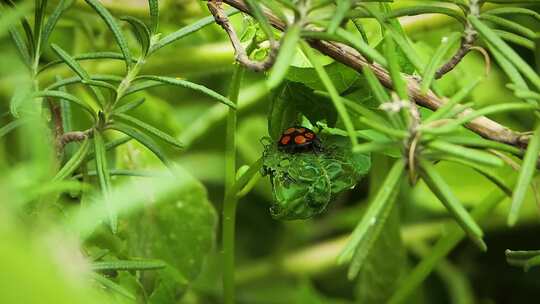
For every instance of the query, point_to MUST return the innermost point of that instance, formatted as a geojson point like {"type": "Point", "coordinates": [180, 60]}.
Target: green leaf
{"type": "Point", "coordinates": [510, 70]}
{"type": "Point", "coordinates": [367, 230]}
{"type": "Point", "coordinates": [421, 9]}
{"type": "Point", "coordinates": [104, 177]}
{"type": "Point", "coordinates": [9, 17]}
{"type": "Point", "coordinates": [342, 8]}
{"type": "Point", "coordinates": [505, 50]}
{"type": "Point", "coordinates": [394, 68]}
{"type": "Point", "coordinates": [85, 56]}
{"type": "Point", "coordinates": [498, 108]}
{"type": "Point", "coordinates": [380, 127]}
{"type": "Point", "coordinates": [304, 184]}
{"type": "Point", "coordinates": [407, 50]}
{"type": "Point", "coordinates": [436, 59]}
{"type": "Point", "coordinates": [510, 26]}
{"type": "Point", "coordinates": [20, 99]}
{"type": "Point", "coordinates": [525, 176]}
{"type": "Point", "coordinates": [443, 192]}
{"type": "Point", "coordinates": [39, 18]}
{"type": "Point", "coordinates": [181, 33]}
{"type": "Point", "coordinates": [375, 85]}
{"type": "Point", "coordinates": [141, 31]}
{"type": "Point", "coordinates": [22, 49]}
{"type": "Point", "coordinates": [447, 107]}
{"type": "Point", "coordinates": [115, 29]}
{"type": "Point", "coordinates": [532, 262]}
{"type": "Point", "coordinates": [10, 127]}
{"type": "Point", "coordinates": [483, 170]}
{"type": "Point", "coordinates": [27, 30]}
{"type": "Point", "coordinates": [150, 129]}
{"type": "Point", "coordinates": [384, 265]}
{"type": "Point", "coordinates": [141, 138]}
{"type": "Point", "coordinates": [363, 47]}
{"type": "Point", "coordinates": [74, 162]}
{"type": "Point", "coordinates": [521, 254]}
{"type": "Point", "coordinates": [343, 77]}
{"type": "Point", "coordinates": [285, 57]}
{"type": "Point", "coordinates": [478, 142]}
{"type": "Point", "coordinates": [170, 285]}
{"type": "Point", "coordinates": [51, 23]}
{"type": "Point", "coordinates": [295, 99]}
{"type": "Point", "coordinates": [513, 11]}
{"type": "Point", "coordinates": [121, 172]}
{"type": "Point", "coordinates": [525, 259]}
{"type": "Point", "coordinates": [67, 97]}
{"type": "Point", "coordinates": [154, 15]}
{"type": "Point", "coordinates": [453, 236]}
{"type": "Point", "coordinates": [258, 13]}
{"type": "Point", "coordinates": [158, 80]}
{"type": "Point", "coordinates": [96, 80]}
{"type": "Point", "coordinates": [245, 179]}
{"type": "Point", "coordinates": [466, 153]}
{"type": "Point", "coordinates": [109, 284]}
{"type": "Point", "coordinates": [113, 144]}
{"type": "Point", "coordinates": [128, 106]}
{"type": "Point", "coordinates": [334, 95]}
{"type": "Point", "coordinates": [85, 77]}
{"type": "Point", "coordinates": [71, 62]}
{"type": "Point", "coordinates": [128, 265]}
{"type": "Point", "coordinates": [27, 265]}
{"type": "Point", "coordinates": [181, 226]}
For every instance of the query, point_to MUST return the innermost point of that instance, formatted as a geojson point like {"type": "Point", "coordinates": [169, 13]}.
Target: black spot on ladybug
{"type": "Point", "coordinates": [299, 139]}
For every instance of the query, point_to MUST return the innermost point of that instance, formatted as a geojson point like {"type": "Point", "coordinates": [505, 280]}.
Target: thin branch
{"type": "Point", "coordinates": [241, 55]}
{"type": "Point", "coordinates": [56, 115]}
{"type": "Point", "coordinates": [68, 137]}
{"type": "Point", "coordinates": [413, 140]}
{"type": "Point", "coordinates": [483, 126]}
{"type": "Point", "coordinates": [467, 43]}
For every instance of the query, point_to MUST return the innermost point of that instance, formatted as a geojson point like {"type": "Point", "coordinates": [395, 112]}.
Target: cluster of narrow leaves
{"type": "Point", "coordinates": [111, 94]}
{"type": "Point", "coordinates": [357, 107]}
{"type": "Point", "coordinates": [396, 126]}
{"type": "Point", "coordinates": [107, 124]}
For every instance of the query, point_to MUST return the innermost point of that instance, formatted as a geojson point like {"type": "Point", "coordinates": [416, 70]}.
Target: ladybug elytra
{"type": "Point", "coordinates": [299, 139]}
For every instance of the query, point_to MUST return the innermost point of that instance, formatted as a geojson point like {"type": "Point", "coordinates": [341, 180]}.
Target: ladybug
{"type": "Point", "coordinates": [299, 139]}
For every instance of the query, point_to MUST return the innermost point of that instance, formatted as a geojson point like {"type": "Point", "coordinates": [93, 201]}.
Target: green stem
{"type": "Point", "coordinates": [230, 201]}
{"type": "Point", "coordinates": [126, 82]}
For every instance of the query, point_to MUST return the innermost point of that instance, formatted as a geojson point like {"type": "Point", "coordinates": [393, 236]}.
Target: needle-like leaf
{"type": "Point", "coordinates": [441, 189]}
{"type": "Point", "coordinates": [115, 29]}
{"type": "Point", "coordinates": [289, 43]}
{"type": "Point", "coordinates": [104, 177]}
{"type": "Point", "coordinates": [525, 176]}
{"type": "Point", "coordinates": [150, 129]}
{"type": "Point", "coordinates": [74, 162]}
{"type": "Point", "coordinates": [154, 15]}
{"type": "Point", "coordinates": [375, 215]}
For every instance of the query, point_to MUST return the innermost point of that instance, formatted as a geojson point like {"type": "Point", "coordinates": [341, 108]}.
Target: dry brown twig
{"type": "Point", "coordinates": [240, 52]}
{"type": "Point", "coordinates": [468, 42]}
{"type": "Point", "coordinates": [482, 126]}
{"type": "Point", "coordinates": [68, 137]}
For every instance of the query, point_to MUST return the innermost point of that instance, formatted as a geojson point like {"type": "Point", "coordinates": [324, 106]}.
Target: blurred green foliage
{"type": "Point", "coordinates": [55, 231]}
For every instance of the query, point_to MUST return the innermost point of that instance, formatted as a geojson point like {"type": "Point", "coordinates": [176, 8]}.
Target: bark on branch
{"type": "Point", "coordinates": [483, 126]}
{"type": "Point", "coordinates": [241, 55]}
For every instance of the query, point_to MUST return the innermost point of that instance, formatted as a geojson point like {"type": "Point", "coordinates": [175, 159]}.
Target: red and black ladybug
{"type": "Point", "coordinates": [299, 139]}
